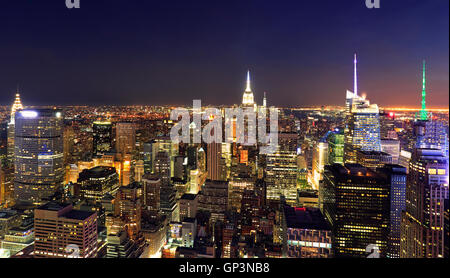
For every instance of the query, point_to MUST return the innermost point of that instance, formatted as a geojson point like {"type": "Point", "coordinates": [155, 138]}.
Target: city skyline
{"type": "Point", "coordinates": [96, 59]}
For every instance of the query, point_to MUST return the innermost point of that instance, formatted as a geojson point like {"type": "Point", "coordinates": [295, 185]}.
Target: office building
{"type": "Point", "coordinates": [396, 174]}
{"type": "Point", "coordinates": [62, 232]}
{"type": "Point", "coordinates": [101, 138]}
{"type": "Point", "coordinates": [281, 169]}
{"type": "Point", "coordinates": [97, 182]}
{"type": "Point", "coordinates": [39, 168]}
{"type": "Point", "coordinates": [125, 138]}
{"type": "Point", "coordinates": [356, 204]}
{"type": "Point", "coordinates": [422, 227]}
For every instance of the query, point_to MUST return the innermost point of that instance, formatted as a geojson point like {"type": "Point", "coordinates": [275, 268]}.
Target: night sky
{"type": "Point", "coordinates": [173, 51]}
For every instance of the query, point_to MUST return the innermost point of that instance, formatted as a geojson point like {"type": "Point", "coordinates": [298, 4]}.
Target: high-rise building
{"type": "Point", "coordinates": [168, 203]}
{"type": "Point", "coordinates": [428, 133]}
{"type": "Point", "coordinates": [281, 169]}
{"type": "Point", "coordinates": [62, 232]}
{"type": "Point", "coordinates": [102, 138]}
{"type": "Point", "coordinates": [362, 130]}
{"type": "Point", "coordinates": [319, 160]}
{"type": "Point", "coordinates": [128, 208]}
{"type": "Point", "coordinates": [356, 204]}
{"type": "Point", "coordinates": [125, 137]}
{"type": "Point", "coordinates": [422, 227]}
{"type": "Point", "coordinates": [39, 165]}
{"type": "Point", "coordinates": [396, 174]}
{"type": "Point", "coordinates": [446, 229]}
{"type": "Point", "coordinates": [213, 197]}
{"type": "Point", "coordinates": [392, 147]}
{"type": "Point", "coordinates": [188, 206]}
{"type": "Point", "coordinates": [248, 99]}
{"type": "Point", "coordinates": [17, 106]}
{"type": "Point", "coordinates": [336, 147]}
{"type": "Point", "coordinates": [151, 193]}
{"type": "Point", "coordinates": [97, 182]}
{"type": "Point", "coordinates": [215, 162]}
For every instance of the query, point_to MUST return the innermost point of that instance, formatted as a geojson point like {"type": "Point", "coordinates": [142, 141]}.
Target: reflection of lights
{"type": "Point", "coordinates": [29, 114]}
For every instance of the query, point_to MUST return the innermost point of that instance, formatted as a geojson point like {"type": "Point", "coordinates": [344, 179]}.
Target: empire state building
{"type": "Point", "coordinates": [248, 99]}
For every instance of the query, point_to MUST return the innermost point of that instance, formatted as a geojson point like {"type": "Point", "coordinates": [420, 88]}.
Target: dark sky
{"type": "Point", "coordinates": [173, 51]}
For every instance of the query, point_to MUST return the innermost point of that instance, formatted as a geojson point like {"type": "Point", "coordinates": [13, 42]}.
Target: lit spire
{"type": "Point", "coordinates": [355, 78]}
{"type": "Point", "coordinates": [264, 100]}
{"type": "Point", "coordinates": [423, 111]}
{"type": "Point", "coordinates": [248, 89]}
{"type": "Point", "coordinates": [248, 99]}
{"type": "Point", "coordinates": [17, 105]}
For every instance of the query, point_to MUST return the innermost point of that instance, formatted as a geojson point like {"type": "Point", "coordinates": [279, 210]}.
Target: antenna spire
{"type": "Point", "coordinates": [248, 89]}
{"type": "Point", "coordinates": [423, 111]}
{"type": "Point", "coordinates": [355, 78]}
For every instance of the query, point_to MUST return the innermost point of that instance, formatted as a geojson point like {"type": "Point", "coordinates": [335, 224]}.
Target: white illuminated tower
{"type": "Point", "coordinates": [248, 99]}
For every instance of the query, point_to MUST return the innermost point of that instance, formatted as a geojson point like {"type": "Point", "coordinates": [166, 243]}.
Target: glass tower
{"type": "Point", "coordinates": [39, 154]}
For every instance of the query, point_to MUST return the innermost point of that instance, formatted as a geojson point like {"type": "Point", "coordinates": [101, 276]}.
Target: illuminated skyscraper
{"type": "Point", "coordinates": [428, 133]}
{"type": "Point", "coordinates": [362, 130]}
{"type": "Point", "coordinates": [319, 160]}
{"type": "Point", "coordinates": [97, 182]}
{"type": "Point", "coordinates": [422, 227]}
{"type": "Point", "coordinates": [281, 171]}
{"type": "Point", "coordinates": [102, 138]}
{"type": "Point", "coordinates": [39, 169]}
{"type": "Point", "coordinates": [396, 174]}
{"type": "Point", "coordinates": [248, 99]}
{"type": "Point", "coordinates": [336, 147]}
{"type": "Point", "coordinates": [127, 205]}
{"type": "Point", "coordinates": [356, 204]}
{"type": "Point", "coordinates": [168, 203]}
{"type": "Point", "coordinates": [17, 106]}
{"type": "Point", "coordinates": [125, 138]}
{"type": "Point", "coordinates": [151, 193]}
{"type": "Point", "coordinates": [215, 162]}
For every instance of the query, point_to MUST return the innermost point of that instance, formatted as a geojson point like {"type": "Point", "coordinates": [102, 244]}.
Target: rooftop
{"type": "Point", "coordinates": [189, 196]}
{"type": "Point", "coordinates": [305, 218]}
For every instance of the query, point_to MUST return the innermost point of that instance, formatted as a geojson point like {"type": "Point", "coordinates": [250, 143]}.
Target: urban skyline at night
{"type": "Point", "coordinates": [223, 131]}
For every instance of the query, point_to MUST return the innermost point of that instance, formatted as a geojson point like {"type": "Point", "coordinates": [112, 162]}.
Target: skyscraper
{"type": "Point", "coordinates": [428, 133]}
{"type": "Point", "coordinates": [396, 175]}
{"type": "Point", "coordinates": [336, 147]}
{"type": "Point", "coordinates": [362, 130]}
{"type": "Point", "coordinates": [125, 137]}
{"type": "Point", "coordinates": [215, 162]}
{"type": "Point", "coordinates": [356, 204]}
{"type": "Point", "coordinates": [168, 201]}
{"type": "Point", "coordinates": [17, 106]}
{"type": "Point", "coordinates": [39, 169]}
{"type": "Point", "coordinates": [102, 138]}
{"type": "Point", "coordinates": [248, 98]}
{"type": "Point", "coordinates": [319, 160]}
{"type": "Point", "coordinates": [422, 227]}
{"type": "Point", "coordinates": [281, 171]}
{"type": "Point", "coordinates": [152, 193]}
